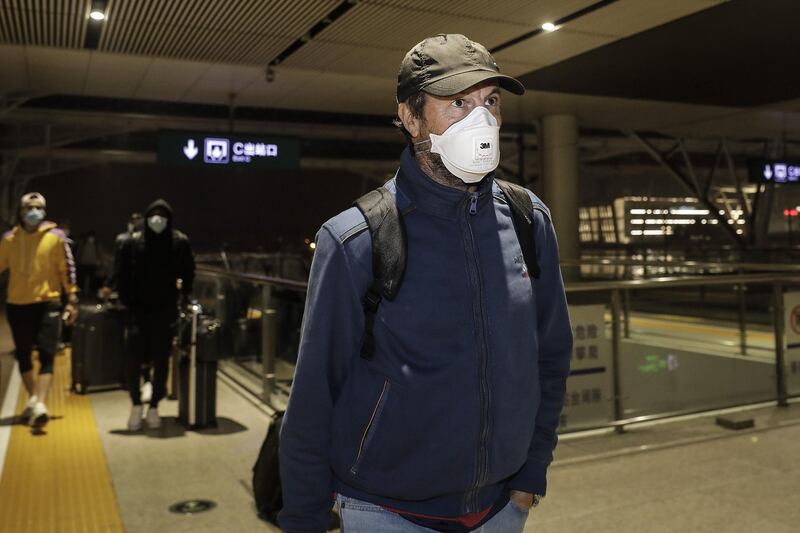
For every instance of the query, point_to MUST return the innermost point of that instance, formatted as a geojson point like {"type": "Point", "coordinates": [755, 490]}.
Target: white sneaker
{"type": "Point", "coordinates": [153, 419]}
{"type": "Point", "coordinates": [147, 392]}
{"type": "Point", "coordinates": [39, 417]}
{"type": "Point", "coordinates": [28, 411]}
{"type": "Point", "coordinates": [135, 420]}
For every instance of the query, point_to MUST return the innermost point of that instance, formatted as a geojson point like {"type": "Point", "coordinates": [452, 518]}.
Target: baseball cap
{"type": "Point", "coordinates": [448, 64]}
{"type": "Point", "coordinates": [33, 199]}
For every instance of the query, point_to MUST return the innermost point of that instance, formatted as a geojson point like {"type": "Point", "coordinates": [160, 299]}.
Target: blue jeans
{"type": "Point", "coordinates": [361, 517]}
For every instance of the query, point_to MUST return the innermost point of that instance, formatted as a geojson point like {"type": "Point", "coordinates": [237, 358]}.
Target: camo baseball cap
{"type": "Point", "coordinates": [448, 64]}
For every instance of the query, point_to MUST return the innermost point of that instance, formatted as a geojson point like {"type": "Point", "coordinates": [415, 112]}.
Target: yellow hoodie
{"type": "Point", "coordinates": [40, 264]}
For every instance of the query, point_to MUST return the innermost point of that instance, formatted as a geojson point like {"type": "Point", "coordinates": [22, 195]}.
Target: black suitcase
{"type": "Point", "coordinates": [197, 398]}
{"type": "Point", "coordinates": [97, 348]}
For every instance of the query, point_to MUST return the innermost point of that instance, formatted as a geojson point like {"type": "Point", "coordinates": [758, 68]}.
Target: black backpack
{"type": "Point", "coordinates": [266, 474]}
{"type": "Point", "coordinates": [389, 244]}
{"type": "Point", "coordinates": [267, 489]}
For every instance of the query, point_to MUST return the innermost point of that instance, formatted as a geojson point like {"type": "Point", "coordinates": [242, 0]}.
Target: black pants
{"type": "Point", "coordinates": [35, 324]}
{"type": "Point", "coordinates": [150, 335]}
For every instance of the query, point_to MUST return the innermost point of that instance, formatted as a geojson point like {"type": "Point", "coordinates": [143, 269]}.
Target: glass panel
{"type": "Point", "coordinates": [686, 350]}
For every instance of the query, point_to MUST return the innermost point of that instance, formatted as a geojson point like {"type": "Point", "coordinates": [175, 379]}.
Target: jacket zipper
{"type": "Point", "coordinates": [356, 463]}
{"type": "Point", "coordinates": [471, 503]}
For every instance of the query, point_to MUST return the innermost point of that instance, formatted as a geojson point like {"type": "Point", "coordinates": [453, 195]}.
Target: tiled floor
{"type": "Point", "coordinates": [686, 476]}
{"type": "Point", "coordinates": [724, 481]}
{"type": "Point", "coordinates": [154, 469]}
{"type": "Point", "coordinates": [56, 478]}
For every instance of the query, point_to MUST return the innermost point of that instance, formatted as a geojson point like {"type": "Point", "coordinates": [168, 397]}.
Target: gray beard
{"type": "Point", "coordinates": [432, 165]}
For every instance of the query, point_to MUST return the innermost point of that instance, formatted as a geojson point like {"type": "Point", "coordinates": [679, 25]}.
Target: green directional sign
{"type": "Point", "coordinates": [222, 150]}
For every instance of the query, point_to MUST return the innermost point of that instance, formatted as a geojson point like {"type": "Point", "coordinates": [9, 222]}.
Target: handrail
{"type": "Point", "coordinates": [680, 281]}
{"type": "Point", "coordinates": [577, 286]}
{"type": "Point", "coordinates": [774, 267]}
{"type": "Point", "coordinates": [252, 278]}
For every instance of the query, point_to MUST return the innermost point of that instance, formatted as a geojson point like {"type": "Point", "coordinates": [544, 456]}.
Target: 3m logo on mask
{"type": "Point", "coordinates": [483, 150]}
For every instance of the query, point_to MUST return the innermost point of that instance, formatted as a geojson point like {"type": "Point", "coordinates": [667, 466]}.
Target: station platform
{"type": "Point", "coordinates": [86, 473]}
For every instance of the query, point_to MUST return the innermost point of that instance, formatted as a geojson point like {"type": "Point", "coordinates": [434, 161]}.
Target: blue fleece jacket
{"type": "Point", "coordinates": [462, 399]}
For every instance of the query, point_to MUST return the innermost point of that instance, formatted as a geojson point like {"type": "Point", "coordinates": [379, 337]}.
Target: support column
{"type": "Point", "coordinates": [559, 149]}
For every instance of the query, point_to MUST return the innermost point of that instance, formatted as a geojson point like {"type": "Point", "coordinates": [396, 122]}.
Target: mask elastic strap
{"type": "Point", "coordinates": [421, 142]}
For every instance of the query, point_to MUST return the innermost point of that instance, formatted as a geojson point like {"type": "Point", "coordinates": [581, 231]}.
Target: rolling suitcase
{"type": "Point", "coordinates": [97, 348]}
{"type": "Point", "coordinates": [197, 398]}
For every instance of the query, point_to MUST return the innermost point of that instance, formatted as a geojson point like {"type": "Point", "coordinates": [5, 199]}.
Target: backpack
{"type": "Point", "coordinates": [266, 475]}
{"type": "Point", "coordinates": [267, 489]}
{"type": "Point", "coordinates": [389, 253]}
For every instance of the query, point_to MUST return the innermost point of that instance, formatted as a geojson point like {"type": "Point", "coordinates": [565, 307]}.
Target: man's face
{"type": "Point", "coordinates": [137, 222]}
{"type": "Point", "coordinates": [24, 210]}
{"type": "Point", "coordinates": [441, 112]}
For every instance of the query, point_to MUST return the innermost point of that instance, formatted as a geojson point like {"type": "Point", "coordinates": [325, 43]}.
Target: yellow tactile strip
{"type": "Point", "coordinates": [58, 481]}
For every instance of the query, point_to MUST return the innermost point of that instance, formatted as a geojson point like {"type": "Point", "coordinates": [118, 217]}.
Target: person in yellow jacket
{"type": "Point", "coordinates": [40, 264]}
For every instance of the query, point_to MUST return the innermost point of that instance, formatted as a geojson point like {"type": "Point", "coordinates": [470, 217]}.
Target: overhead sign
{"type": "Point", "coordinates": [195, 149]}
{"type": "Point", "coordinates": [774, 171]}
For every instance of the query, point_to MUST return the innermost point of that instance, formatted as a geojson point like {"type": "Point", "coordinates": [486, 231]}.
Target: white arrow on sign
{"type": "Point", "coordinates": [190, 150]}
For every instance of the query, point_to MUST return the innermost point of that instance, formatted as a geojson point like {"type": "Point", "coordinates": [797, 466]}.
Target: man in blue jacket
{"type": "Point", "coordinates": [451, 424]}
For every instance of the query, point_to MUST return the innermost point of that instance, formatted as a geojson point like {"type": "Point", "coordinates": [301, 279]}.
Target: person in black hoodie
{"type": "Point", "coordinates": [150, 264]}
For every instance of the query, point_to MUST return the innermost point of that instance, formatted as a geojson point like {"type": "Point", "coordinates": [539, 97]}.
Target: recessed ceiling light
{"type": "Point", "coordinates": [97, 15]}
{"type": "Point", "coordinates": [549, 26]}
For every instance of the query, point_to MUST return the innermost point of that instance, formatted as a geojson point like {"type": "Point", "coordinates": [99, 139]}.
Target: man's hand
{"type": "Point", "coordinates": [523, 500]}
{"type": "Point", "coordinates": [105, 293]}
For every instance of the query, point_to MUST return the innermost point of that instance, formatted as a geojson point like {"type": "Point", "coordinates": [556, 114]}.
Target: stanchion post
{"type": "Point", "coordinates": [777, 318]}
{"type": "Point", "coordinates": [627, 312]}
{"type": "Point", "coordinates": [616, 343]}
{"type": "Point", "coordinates": [742, 318]}
{"type": "Point", "coordinates": [268, 340]}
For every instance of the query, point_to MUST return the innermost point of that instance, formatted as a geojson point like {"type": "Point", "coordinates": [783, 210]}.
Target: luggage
{"type": "Point", "coordinates": [197, 397]}
{"type": "Point", "coordinates": [267, 478]}
{"type": "Point", "coordinates": [98, 348]}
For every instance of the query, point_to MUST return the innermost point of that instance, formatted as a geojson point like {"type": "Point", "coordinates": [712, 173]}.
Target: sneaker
{"type": "Point", "coordinates": [147, 392]}
{"type": "Point", "coordinates": [39, 417]}
{"type": "Point", "coordinates": [153, 419]}
{"type": "Point", "coordinates": [135, 420]}
{"type": "Point", "coordinates": [28, 411]}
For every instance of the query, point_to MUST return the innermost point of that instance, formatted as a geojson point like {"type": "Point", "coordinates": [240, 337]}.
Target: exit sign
{"type": "Point", "coordinates": [196, 149]}
{"type": "Point", "coordinates": [774, 171]}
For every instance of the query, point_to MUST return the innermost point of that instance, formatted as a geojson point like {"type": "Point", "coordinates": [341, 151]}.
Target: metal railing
{"type": "Point", "coordinates": [263, 316]}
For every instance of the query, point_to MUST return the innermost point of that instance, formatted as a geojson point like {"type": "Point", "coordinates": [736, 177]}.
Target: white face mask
{"type": "Point", "coordinates": [470, 148]}
{"type": "Point", "coordinates": [157, 223]}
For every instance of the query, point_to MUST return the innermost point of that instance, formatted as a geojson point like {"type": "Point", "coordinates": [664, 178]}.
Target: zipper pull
{"type": "Point", "coordinates": [473, 203]}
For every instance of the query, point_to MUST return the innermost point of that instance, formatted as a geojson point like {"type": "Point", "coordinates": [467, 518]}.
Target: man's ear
{"type": "Point", "coordinates": [410, 122]}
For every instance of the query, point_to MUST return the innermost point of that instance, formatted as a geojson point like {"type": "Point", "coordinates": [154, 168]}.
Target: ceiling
{"type": "Point", "coordinates": [217, 51]}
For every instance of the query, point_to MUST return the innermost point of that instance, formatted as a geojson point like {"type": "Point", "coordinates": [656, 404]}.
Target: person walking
{"type": "Point", "coordinates": [156, 269]}
{"type": "Point", "coordinates": [39, 259]}
{"type": "Point", "coordinates": [435, 405]}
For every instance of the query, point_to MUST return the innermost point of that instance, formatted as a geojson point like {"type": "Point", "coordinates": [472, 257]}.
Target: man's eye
{"type": "Point", "coordinates": [492, 100]}
{"type": "Point", "coordinates": [458, 102]}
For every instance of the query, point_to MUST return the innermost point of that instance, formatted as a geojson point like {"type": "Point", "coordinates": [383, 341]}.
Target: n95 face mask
{"type": "Point", "coordinates": [470, 148]}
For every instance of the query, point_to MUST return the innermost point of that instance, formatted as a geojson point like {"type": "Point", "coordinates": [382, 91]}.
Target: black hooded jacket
{"type": "Point", "coordinates": [150, 264]}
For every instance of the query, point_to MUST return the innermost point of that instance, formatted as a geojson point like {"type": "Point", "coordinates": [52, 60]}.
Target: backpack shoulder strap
{"type": "Point", "coordinates": [522, 217]}
{"type": "Point", "coordinates": [389, 256]}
